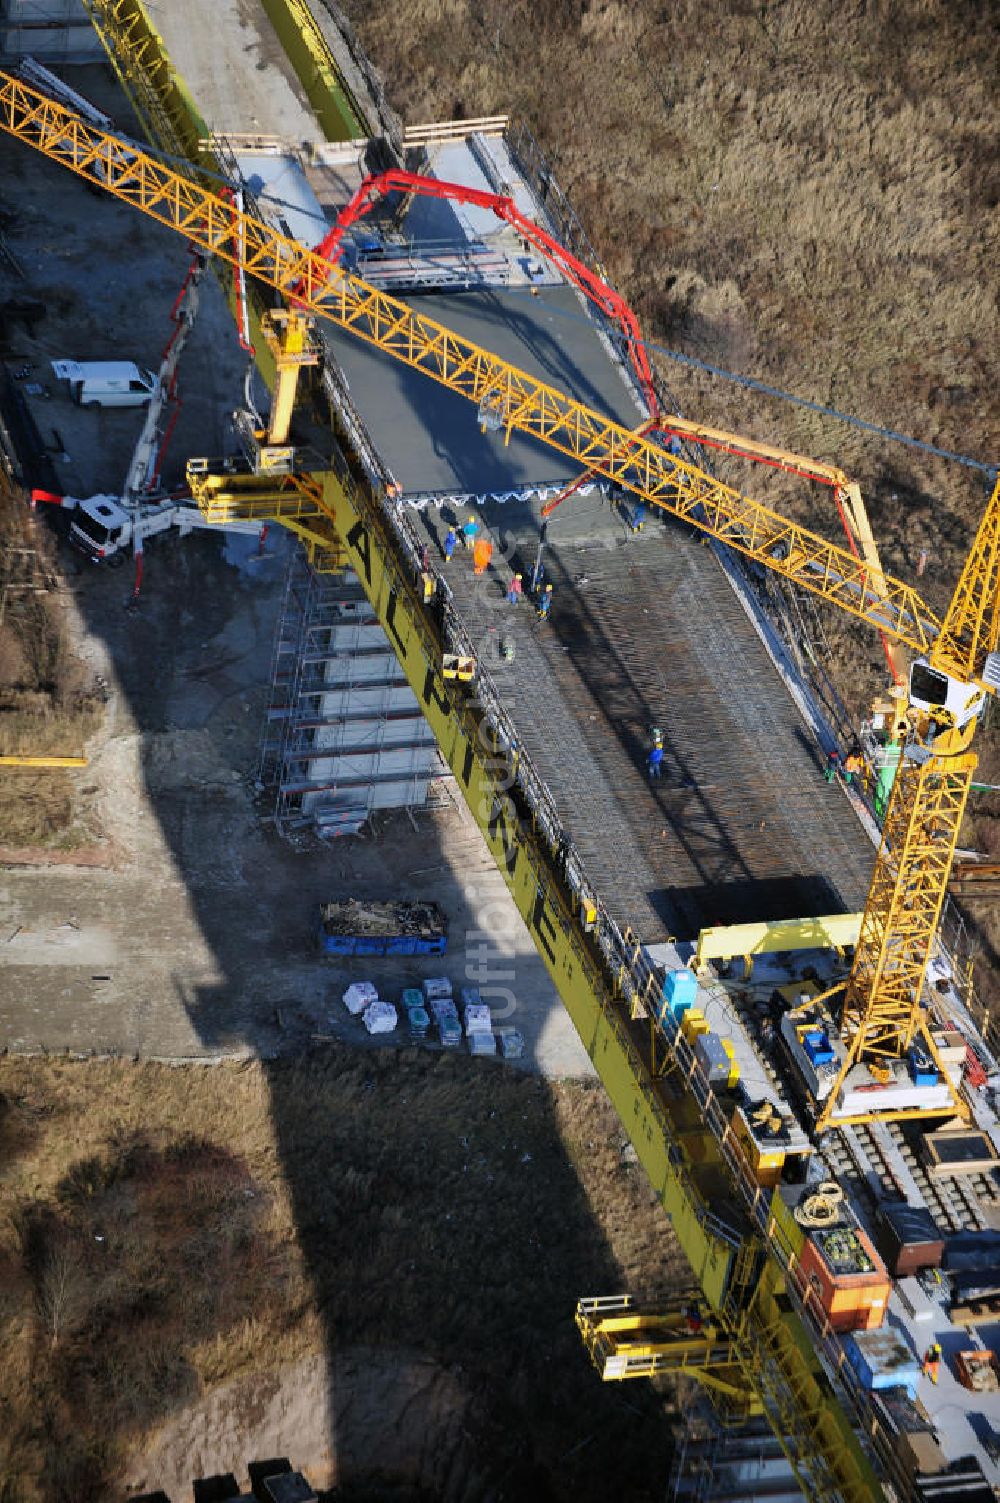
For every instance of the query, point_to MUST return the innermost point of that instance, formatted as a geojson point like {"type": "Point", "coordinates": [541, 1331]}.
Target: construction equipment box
{"type": "Point", "coordinates": [353, 927]}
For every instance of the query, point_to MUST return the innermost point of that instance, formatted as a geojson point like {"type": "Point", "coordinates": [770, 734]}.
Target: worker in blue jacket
{"type": "Point", "coordinates": [655, 762]}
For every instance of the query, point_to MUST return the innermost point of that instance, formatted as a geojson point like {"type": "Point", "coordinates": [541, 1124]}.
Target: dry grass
{"type": "Point", "coordinates": [45, 709]}
{"type": "Point", "coordinates": [165, 1230]}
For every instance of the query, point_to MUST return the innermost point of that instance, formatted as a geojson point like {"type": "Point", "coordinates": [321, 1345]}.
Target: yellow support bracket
{"type": "Point", "coordinates": [293, 501]}
{"type": "Point", "coordinates": [626, 1341]}
{"type": "Point", "coordinates": [43, 761]}
{"type": "Point", "coordinates": [835, 931]}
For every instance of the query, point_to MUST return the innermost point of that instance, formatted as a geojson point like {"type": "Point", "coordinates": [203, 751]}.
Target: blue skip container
{"type": "Point", "coordinates": [680, 990]}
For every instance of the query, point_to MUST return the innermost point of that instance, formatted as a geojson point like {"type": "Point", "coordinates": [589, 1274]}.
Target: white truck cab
{"type": "Point", "coordinates": [100, 528]}
{"type": "Point", "coordinates": [106, 383]}
{"type": "Point", "coordinates": [106, 531]}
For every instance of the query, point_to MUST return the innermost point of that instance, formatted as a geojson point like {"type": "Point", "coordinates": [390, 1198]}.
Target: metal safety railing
{"type": "Point", "coordinates": [627, 970]}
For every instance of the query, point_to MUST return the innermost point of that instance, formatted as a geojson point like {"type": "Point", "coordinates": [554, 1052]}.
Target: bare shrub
{"type": "Point", "coordinates": [61, 1295]}
{"type": "Point", "coordinates": [53, 1256]}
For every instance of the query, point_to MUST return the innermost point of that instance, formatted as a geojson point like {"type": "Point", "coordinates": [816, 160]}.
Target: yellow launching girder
{"type": "Point", "coordinates": [761, 1301]}
{"type": "Point", "coordinates": [506, 396]}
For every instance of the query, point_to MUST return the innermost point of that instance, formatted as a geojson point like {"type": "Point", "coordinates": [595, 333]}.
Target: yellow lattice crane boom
{"type": "Point", "coordinates": [883, 1012]}
{"type": "Point", "coordinates": [847, 492]}
{"type": "Point", "coordinates": [506, 396]}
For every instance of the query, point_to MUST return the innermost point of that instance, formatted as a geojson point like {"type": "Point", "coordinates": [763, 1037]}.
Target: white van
{"type": "Point", "coordinates": [106, 383]}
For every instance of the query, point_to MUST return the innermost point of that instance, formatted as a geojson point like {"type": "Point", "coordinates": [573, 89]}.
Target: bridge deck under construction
{"type": "Point", "coordinates": [646, 629]}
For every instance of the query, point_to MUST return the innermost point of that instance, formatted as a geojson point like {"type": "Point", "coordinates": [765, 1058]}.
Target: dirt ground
{"type": "Point", "coordinates": [368, 1263]}
{"type": "Point", "coordinates": [194, 930]}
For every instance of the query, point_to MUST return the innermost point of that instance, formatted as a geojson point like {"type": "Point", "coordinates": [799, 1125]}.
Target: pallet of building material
{"type": "Point", "coordinates": [436, 987]}
{"type": "Point", "coordinates": [419, 1020]}
{"type": "Point", "coordinates": [481, 1042]}
{"type": "Point", "coordinates": [949, 1153]}
{"type": "Point", "coordinates": [353, 927]}
{"type": "Point", "coordinates": [511, 1043]}
{"type": "Point", "coordinates": [380, 1017]}
{"type": "Point", "coordinates": [975, 1284]}
{"type": "Point", "coordinates": [906, 1430]}
{"type": "Point", "coordinates": [359, 996]}
{"type": "Point", "coordinates": [971, 879]}
{"type": "Point", "coordinates": [441, 1008]}
{"type": "Point", "coordinates": [449, 1032]}
{"type": "Point", "coordinates": [975, 1312]}
{"type": "Point", "coordinates": [976, 1369]}
{"type": "Point", "coordinates": [908, 1238]}
{"type": "Point", "coordinates": [477, 1019]}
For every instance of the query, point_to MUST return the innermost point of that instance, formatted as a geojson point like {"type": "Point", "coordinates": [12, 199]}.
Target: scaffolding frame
{"type": "Point", "coordinates": [299, 731]}
{"type": "Point", "coordinates": [718, 1463]}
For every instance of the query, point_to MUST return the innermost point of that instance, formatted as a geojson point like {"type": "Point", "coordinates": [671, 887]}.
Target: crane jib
{"type": "Point", "coordinates": [519, 402]}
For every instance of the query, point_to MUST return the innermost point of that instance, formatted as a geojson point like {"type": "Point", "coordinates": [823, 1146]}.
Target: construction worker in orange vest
{"type": "Point", "coordinates": [852, 766]}
{"type": "Point", "coordinates": [932, 1361]}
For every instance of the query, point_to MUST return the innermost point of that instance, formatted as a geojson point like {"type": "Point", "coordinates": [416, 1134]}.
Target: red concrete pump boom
{"type": "Point", "coordinates": [611, 303]}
